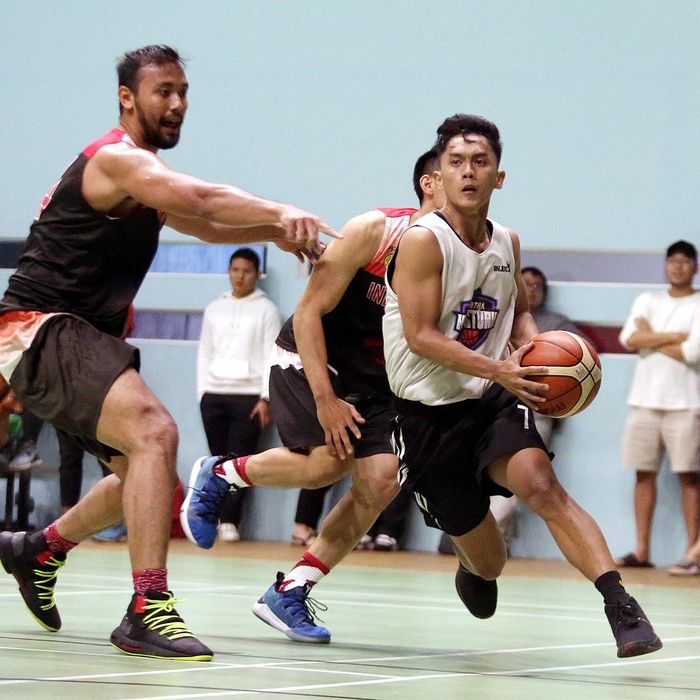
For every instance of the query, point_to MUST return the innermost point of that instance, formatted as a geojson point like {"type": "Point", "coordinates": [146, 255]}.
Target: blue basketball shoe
{"type": "Point", "coordinates": [206, 491]}
{"type": "Point", "coordinates": [292, 612]}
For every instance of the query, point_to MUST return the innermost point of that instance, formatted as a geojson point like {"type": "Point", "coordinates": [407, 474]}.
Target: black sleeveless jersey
{"type": "Point", "coordinates": [80, 261]}
{"type": "Point", "coordinates": [353, 329]}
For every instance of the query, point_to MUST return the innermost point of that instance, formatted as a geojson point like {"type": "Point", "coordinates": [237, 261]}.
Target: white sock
{"type": "Point", "coordinates": [232, 471]}
{"type": "Point", "coordinates": [308, 570]}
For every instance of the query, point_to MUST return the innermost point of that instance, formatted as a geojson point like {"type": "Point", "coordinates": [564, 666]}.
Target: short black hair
{"type": "Point", "coordinates": [537, 273]}
{"type": "Point", "coordinates": [247, 254]}
{"type": "Point", "coordinates": [132, 61]}
{"type": "Point", "coordinates": [683, 247]}
{"type": "Point", "coordinates": [425, 164]}
{"type": "Point", "coordinates": [463, 124]}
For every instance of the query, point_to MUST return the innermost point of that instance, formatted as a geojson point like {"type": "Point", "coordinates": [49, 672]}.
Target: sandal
{"type": "Point", "coordinates": [297, 541]}
{"type": "Point", "coordinates": [685, 568]}
{"type": "Point", "coordinates": [630, 561]}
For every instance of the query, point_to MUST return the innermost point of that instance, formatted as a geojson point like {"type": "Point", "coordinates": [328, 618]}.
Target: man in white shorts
{"type": "Point", "coordinates": [664, 414]}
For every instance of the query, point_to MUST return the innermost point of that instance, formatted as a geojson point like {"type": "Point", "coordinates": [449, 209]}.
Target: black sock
{"type": "Point", "coordinates": [610, 586]}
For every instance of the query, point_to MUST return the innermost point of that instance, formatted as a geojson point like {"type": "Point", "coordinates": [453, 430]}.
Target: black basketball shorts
{"type": "Point", "coordinates": [293, 411]}
{"type": "Point", "coordinates": [65, 374]}
{"type": "Point", "coordinates": [444, 450]}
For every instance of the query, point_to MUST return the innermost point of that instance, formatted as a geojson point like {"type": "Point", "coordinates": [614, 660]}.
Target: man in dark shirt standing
{"type": "Point", "coordinates": [60, 348]}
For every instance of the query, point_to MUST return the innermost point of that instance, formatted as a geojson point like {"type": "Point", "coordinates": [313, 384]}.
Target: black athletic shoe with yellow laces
{"type": "Point", "coordinates": [152, 627]}
{"type": "Point", "coordinates": [35, 568]}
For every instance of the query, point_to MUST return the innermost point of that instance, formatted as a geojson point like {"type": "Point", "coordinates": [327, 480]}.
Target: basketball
{"type": "Point", "coordinates": [574, 372]}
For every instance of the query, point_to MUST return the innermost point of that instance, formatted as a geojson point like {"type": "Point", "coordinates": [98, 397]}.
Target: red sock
{"type": "Point", "coordinates": [55, 542]}
{"type": "Point", "coordinates": [240, 468]}
{"type": "Point", "coordinates": [150, 579]}
{"type": "Point", "coordinates": [307, 571]}
{"type": "Point", "coordinates": [233, 472]}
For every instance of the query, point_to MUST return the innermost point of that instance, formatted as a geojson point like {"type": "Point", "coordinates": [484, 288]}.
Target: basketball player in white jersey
{"type": "Point", "coordinates": [465, 429]}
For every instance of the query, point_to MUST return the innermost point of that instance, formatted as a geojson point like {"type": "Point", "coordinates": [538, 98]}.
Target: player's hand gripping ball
{"type": "Point", "coordinates": [574, 372]}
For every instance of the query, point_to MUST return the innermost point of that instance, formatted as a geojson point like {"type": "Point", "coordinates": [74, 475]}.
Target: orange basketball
{"type": "Point", "coordinates": [574, 372]}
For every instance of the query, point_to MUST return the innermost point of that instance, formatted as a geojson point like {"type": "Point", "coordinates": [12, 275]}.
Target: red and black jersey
{"type": "Point", "coordinates": [81, 261]}
{"type": "Point", "coordinates": [353, 329]}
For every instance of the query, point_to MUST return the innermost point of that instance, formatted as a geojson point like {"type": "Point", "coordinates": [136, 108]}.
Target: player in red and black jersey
{"type": "Point", "coordinates": [351, 324]}
{"type": "Point", "coordinates": [66, 306]}
{"type": "Point", "coordinates": [330, 400]}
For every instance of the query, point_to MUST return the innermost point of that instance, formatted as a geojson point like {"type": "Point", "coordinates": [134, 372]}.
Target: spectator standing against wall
{"type": "Point", "coordinates": [664, 402]}
{"type": "Point", "coordinates": [233, 366]}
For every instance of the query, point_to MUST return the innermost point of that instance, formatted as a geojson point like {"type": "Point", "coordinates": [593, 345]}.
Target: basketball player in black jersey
{"type": "Point", "coordinates": [61, 353]}
{"type": "Point", "coordinates": [330, 400]}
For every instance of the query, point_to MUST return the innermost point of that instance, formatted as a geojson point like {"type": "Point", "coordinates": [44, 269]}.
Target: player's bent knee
{"type": "Point", "coordinates": [155, 431]}
{"type": "Point", "coordinates": [489, 569]}
{"type": "Point", "coordinates": [161, 429]}
{"type": "Point", "coordinates": [323, 470]}
{"type": "Point", "coordinates": [490, 573]}
{"type": "Point", "coordinates": [383, 490]}
{"type": "Point", "coordinates": [545, 496]}
{"type": "Point", "coordinates": [375, 494]}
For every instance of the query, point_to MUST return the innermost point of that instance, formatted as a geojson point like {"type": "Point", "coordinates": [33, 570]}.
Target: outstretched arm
{"type": "Point", "coordinates": [120, 173]}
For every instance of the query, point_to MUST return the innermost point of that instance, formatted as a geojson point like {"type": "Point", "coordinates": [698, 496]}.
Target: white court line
{"type": "Point", "coordinates": [44, 650]}
{"type": "Point", "coordinates": [128, 592]}
{"type": "Point", "coordinates": [492, 652]}
{"type": "Point", "coordinates": [449, 606]}
{"type": "Point", "coordinates": [200, 668]}
{"type": "Point", "coordinates": [301, 665]}
{"type": "Point", "coordinates": [339, 596]}
{"type": "Point", "coordinates": [405, 679]}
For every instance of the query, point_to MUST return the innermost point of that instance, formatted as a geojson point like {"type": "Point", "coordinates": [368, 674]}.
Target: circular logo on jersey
{"type": "Point", "coordinates": [475, 319]}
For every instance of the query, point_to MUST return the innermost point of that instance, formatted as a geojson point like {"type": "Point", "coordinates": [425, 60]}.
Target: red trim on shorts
{"type": "Point", "coordinates": [20, 315]}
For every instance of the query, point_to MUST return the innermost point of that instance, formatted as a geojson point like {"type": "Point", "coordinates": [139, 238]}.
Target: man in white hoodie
{"type": "Point", "coordinates": [236, 350]}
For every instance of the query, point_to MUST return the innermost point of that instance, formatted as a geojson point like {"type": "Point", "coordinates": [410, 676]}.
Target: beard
{"type": "Point", "coordinates": [153, 136]}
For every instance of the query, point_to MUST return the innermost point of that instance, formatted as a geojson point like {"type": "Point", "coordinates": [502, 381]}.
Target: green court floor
{"type": "Point", "coordinates": [399, 631]}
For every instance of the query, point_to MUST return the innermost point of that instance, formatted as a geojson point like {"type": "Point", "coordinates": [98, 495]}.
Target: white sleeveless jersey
{"type": "Point", "coordinates": [478, 302]}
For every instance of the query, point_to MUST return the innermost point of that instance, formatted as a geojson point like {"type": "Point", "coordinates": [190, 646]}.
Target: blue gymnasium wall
{"type": "Point", "coordinates": [327, 104]}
